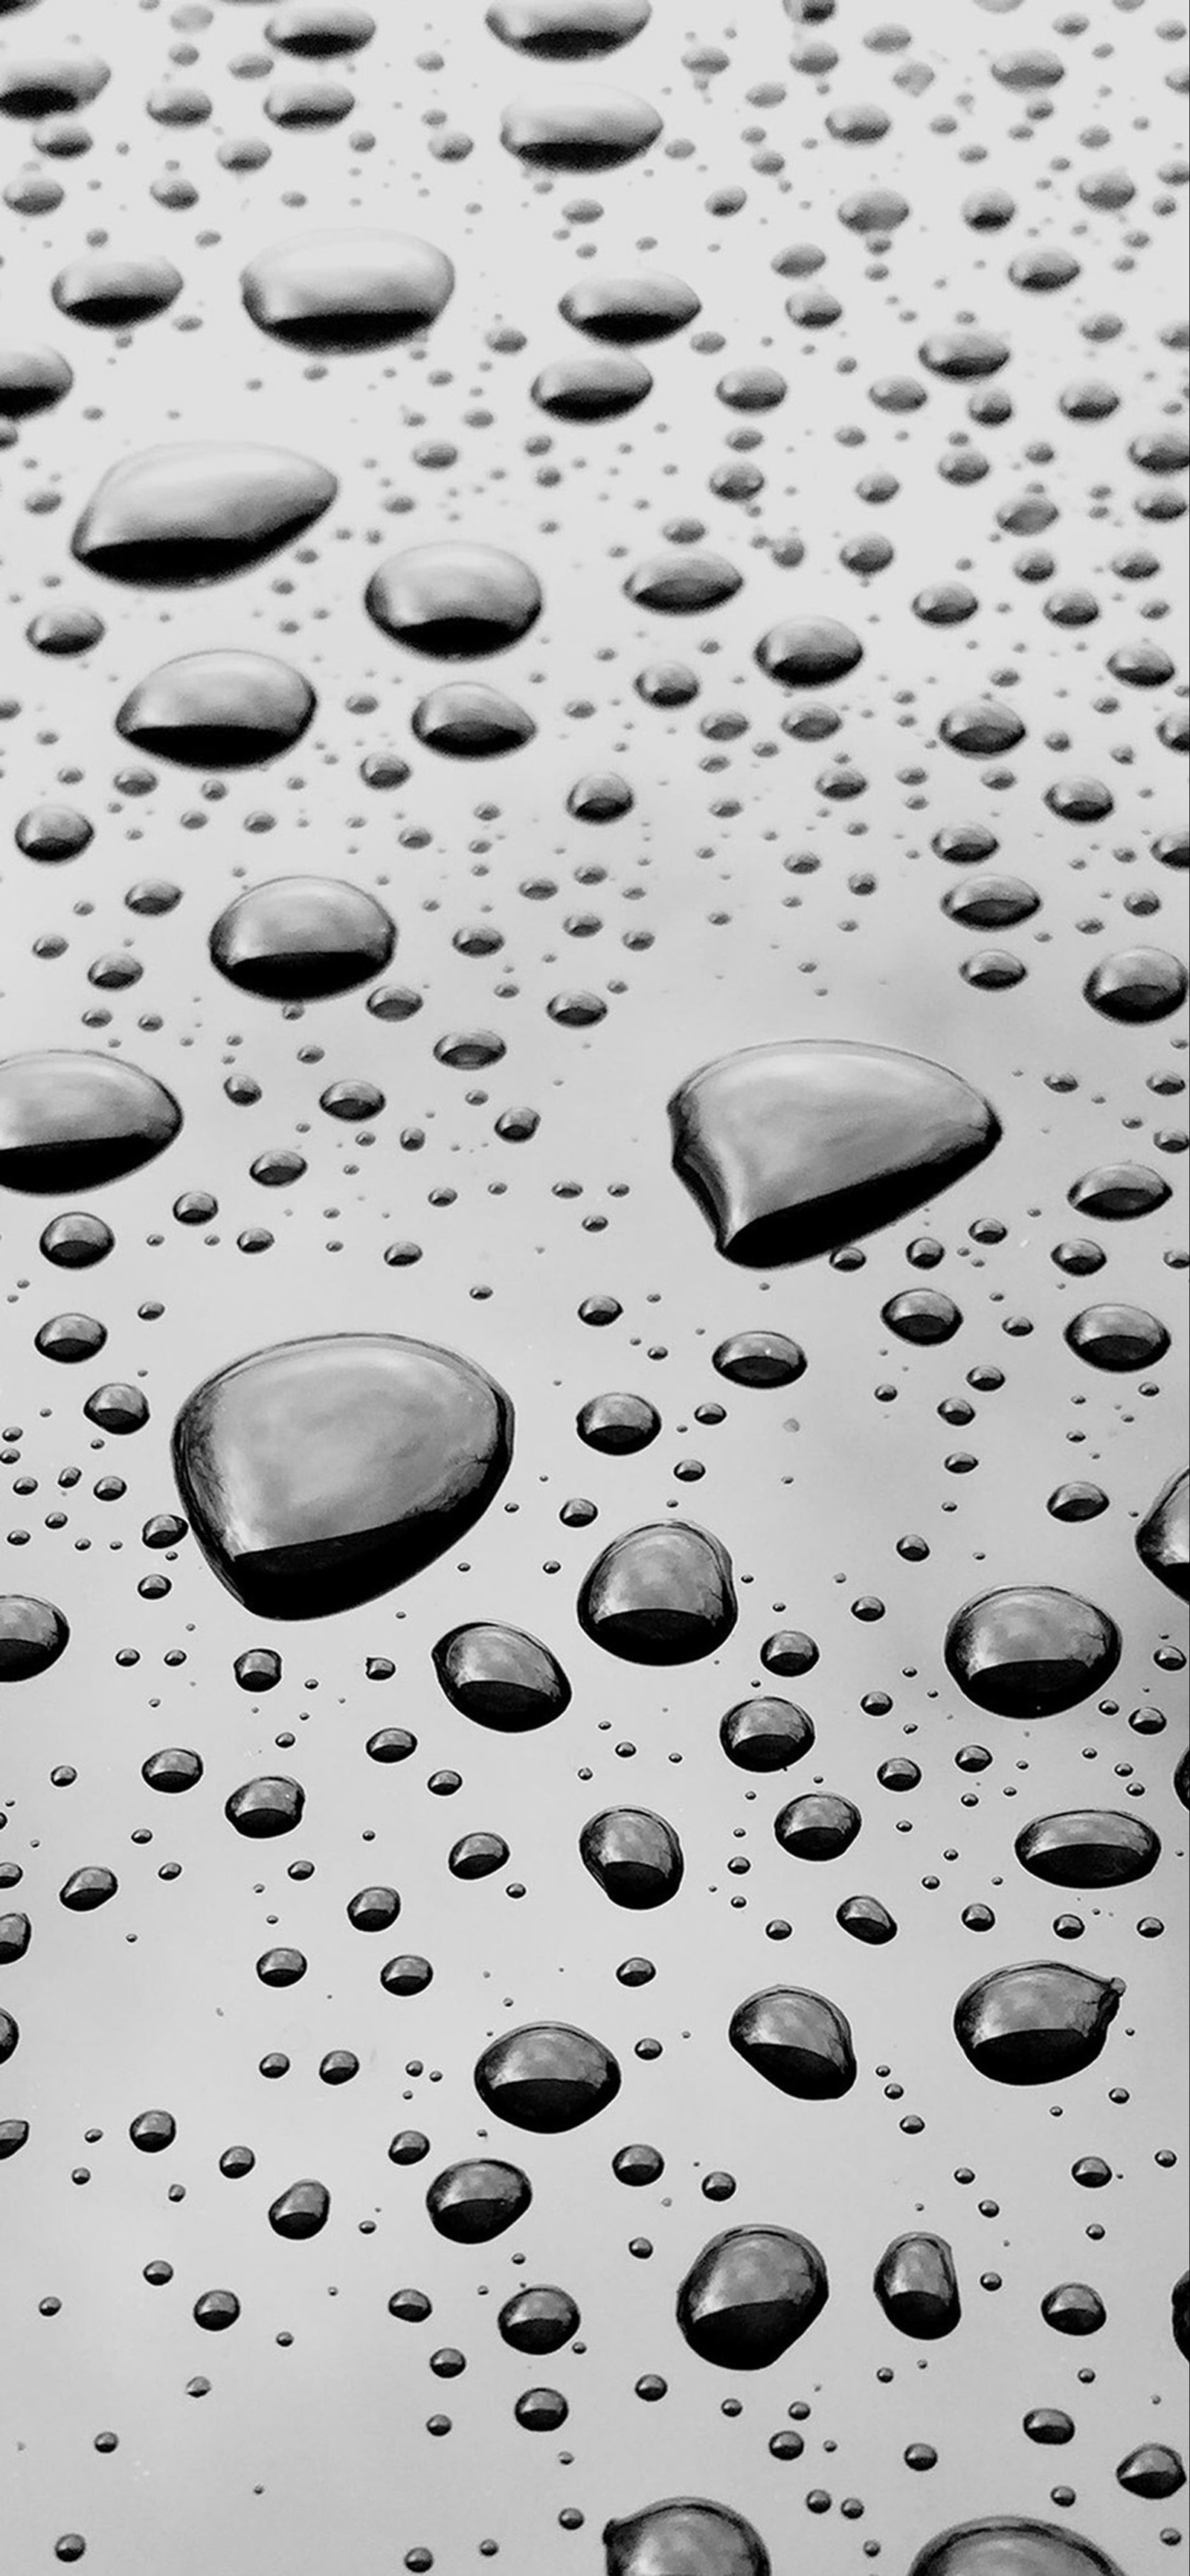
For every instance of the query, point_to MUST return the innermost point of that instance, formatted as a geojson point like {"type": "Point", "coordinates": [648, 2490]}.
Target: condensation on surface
{"type": "Point", "coordinates": [592, 1872]}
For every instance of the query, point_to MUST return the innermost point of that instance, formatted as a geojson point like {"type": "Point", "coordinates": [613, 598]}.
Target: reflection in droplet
{"type": "Point", "coordinates": [474, 2202]}
{"type": "Point", "coordinates": [765, 1734]}
{"type": "Point", "coordinates": [809, 652]}
{"type": "Point", "coordinates": [1031, 1650]}
{"type": "Point", "coordinates": [583, 129]}
{"type": "Point", "coordinates": [336, 292]}
{"type": "Point", "coordinates": [453, 601]}
{"type": "Point", "coordinates": [1117, 1339]}
{"type": "Point", "coordinates": [171, 516]}
{"type": "Point", "coordinates": [218, 710]}
{"type": "Point", "coordinates": [1035, 2024]}
{"type": "Point", "coordinates": [468, 721]}
{"type": "Point", "coordinates": [1163, 1539]}
{"type": "Point", "coordinates": [300, 2211]}
{"type": "Point", "coordinates": [111, 293]}
{"type": "Point", "coordinates": [73, 1121]}
{"type": "Point", "coordinates": [818, 1826]}
{"type": "Point", "coordinates": [633, 1855]}
{"type": "Point", "coordinates": [302, 939]}
{"type": "Point", "coordinates": [662, 1594]}
{"type": "Point", "coordinates": [685, 2536]}
{"type": "Point", "coordinates": [32, 1636]}
{"type": "Point", "coordinates": [500, 1677]}
{"type": "Point", "coordinates": [750, 2295]}
{"type": "Point", "coordinates": [567, 30]}
{"type": "Point", "coordinates": [916, 2285]}
{"type": "Point", "coordinates": [590, 388]}
{"type": "Point", "coordinates": [1088, 1847]}
{"type": "Point", "coordinates": [1007, 2546]}
{"type": "Point", "coordinates": [798, 2041]}
{"type": "Point", "coordinates": [547, 2077]}
{"type": "Point", "coordinates": [626, 310]}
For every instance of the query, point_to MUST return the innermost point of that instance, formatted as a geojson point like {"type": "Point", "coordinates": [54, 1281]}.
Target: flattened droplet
{"type": "Point", "coordinates": [1115, 1192]}
{"type": "Point", "coordinates": [683, 584]}
{"type": "Point", "coordinates": [301, 2211]}
{"type": "Point", "coordinates": [73, 1121]}
{"type": "Point", "coordinates": [795, 1148]}
{"type": "Point", "coordinates": [1008, 2546]}
{"type": "Point", "coordinates": [111, 294]}
{"type": "Point", "coordinates": [547, 2077]}
{"type": "Point", "coordinates": [916, 2285]}
{"type": "Point", "coordinates": [685, 2536]}
{"type": "Point", "coordinates": [627, 310]}
{"type": "Point", "coordinates": [592, 388]}
{"type": "Point", "coordinates": [500, 1677]}
{"type": "Point", "coordinates": [1088, 1847]}
{"type": "Point", "coordinates": [1035, 2024]}
{"type": "Point", "coordinates": [583, 129]}
{"type": "Point", "coordinates": [316, 29]}
{"type": "Point", "coordinates": [567, 30]}
{"type": "Point", "coordinates": [218, 710]}
{"type": "Point", "coordinates": [633, 1855]}
{"type": "Point", "coordinates": [32, 1636]}
{"type": "Point", "coordinates": [473, 2202]}
{"type": "Point", "coordinates": [321, 1473]}
{"type": "Point", "coordinates": [809, 652]}
{"type": "Point", "coordinates": [1031, 1650]}
{"type": "Point", "coordinates": [302, 939]}
{"type": "Point", "coordinates": [661, 1594]}
{"type": "Point", "coordinates": [1163, 1539]}
{"type": "Point", "coordinates": [750, 2295]}
{"type": "Point", "coordinates": [759, 1359]}
{"type": "Point", "coordinates": [50, 86]}
{"type": "Point", "coordinates": [467, 721]}
{"type": "Point", "coordinates": [965, 355]}
{"type": "Point", "coordinates": [173, 516]}
{"type": "Point", "coordinates": [335, 292]}
{"type": "Point", "coordinates": [454, 601]}
{"type": "Point", "coordinates": [798, 2041]}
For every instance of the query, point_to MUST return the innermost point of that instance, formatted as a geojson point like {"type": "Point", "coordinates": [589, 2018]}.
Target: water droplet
{"type": "Point", "coordinates": [583, 129]}
{"type": "Point", "coordinates": [1030, 1651]}
{"type": "Point", "coordinates": [916, 2286]}
{"type": "Point", "coordinates": [798, 2041]}
{"type": "Point", "coordinates": [301, 2210]}
{"type": "Point", "coordinates": [1088, 1847]}
{"type": "Point", "coordinates": [73, 1121]}
{"type": "Point", "coordinates": [1035, 2024]}
{"type": "Point", "coordinates": [111, 293]}
{"type": "Point", "coordinates": [335, 292]}
{"type": "Point", "coordinates": [1163, 1539]}
{"type": "Point", "coordinates": [592, 388]}
{"type": "Point", "coordinates": [501, 1678]}
{"type": "Point", "coordinates": [633, 1855]}
{"type": "Point", "coordinates": [649, 306]}
{"type": "Point", "coordinates": [818, 1826]}
{"type": "Point", "coordinates": [547, 2077]}
{"type": "Point", "coordinates": [539, 2320]}
{"type": "Point", "coordinates": [683, 584]}
{"type": "Point", "coordinates": [685, 2536]}
{"type": "Point", "coordinates": [473, 2202]}
{"type": "Point", "coordinates": [302, 939]}
{"type": "Point", "coordinates": [218, 710]}
{"type": "Point", "coordinates": [32, 1636]}
{"type": "Point", "coordinates": [750, 2295]}
{"type": "Point", "coordinates": [662, 1594]}
{"type": "Point", "coordinates": [453, 601]}
{"type": "Point", "coordinates": [173, 516]}
{"type": "Point", "coordinates": [1118, 1339]}
{"type": "Point", "coordinates": [1008, 2546]}
{"type": "Point", "coordinates": [468, 721]}
{"type": "Point", "coordinates": [567, 30]}
{"type": "Point", "coordinates": [765, 1734]}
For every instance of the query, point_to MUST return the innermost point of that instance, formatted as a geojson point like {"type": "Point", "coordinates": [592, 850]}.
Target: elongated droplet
{"type": "Point", "coordinates": [1007, 2546]}
{"type": "Point", "coordinates": [301, 939]}
{"type": "Point", "coordinates": [1031, 1650]}
{"type": "Point", "coordinates": [916, 2286]}
{"type": "Point", "coordinates": [750, 2295]}
{"type": "Point", "coordinates": [683, 585]}
{"type": "Point", "coordinates": [567, 30]}
{"type": "Point", "coordinates": [685, 2536]}
{"type": "Point", "coordinates": [340, 291]}
{"type": "Point", "coordinates": [218, 710]}
{"type": "Point", "coordinates": [1037, 2023]}
{"type": "Point", "coordinates": [792, 1149]}
{"type": "Point", "coordinates": [454, 602]}
{"type": "Point", "coordinates": [110, 292]}
{"type": "Point", "coordinates": [809, 652]}
{"type": "Point", "coordinates": [1088, 1847]}
{"type": "Point", "coordinates": [797, 2040]}
{"type": "Point", "coordinates": [173, 516]}
{"type": "Point", "coordinates": [73, 1121]}
{"type": "Point", "coordinates": [547, 2077]}
{"type": "Point", "coordinates": [662, 1594]}
{"type": "Point", "coordinates": [321, 1473]}
{"type": "Point", "coordinates": [628, 310]}
{"type": "Point", "coordinates": [592, 388]}
{"type": "Point", "coordinates": [582, 129]}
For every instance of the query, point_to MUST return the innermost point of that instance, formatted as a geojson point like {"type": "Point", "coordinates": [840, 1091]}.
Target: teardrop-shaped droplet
{"type": "Point", "coordinates": [750, 2295]}
{"type": "Point", "coordinates": [73, 1121]}
{"type": "Point", "coordinates": [793, 1149]}
{"type": "Point", "coordinates": [547, 2077]}
{"type": "Point", "coordinates": [302, 2210]}
{"type": "Point", "coordinates": [1008, 2546]}
{"type": "Point", "coordinates": [454, 601]}
{"type": "Point", "coordinates": [473, 2202]}
{"type": "Point", "coordinates": [1163, 1539]}
{"type": "Point", "coordinates": [628, 310]}
{"type": "Point", "coordinates": [797, 2040]}
{"type": "Point", "coordinates": [592, 388]}
{"type": "Point", "coordinates": [809, 652]}
{"type": "Point", "coordinates": [1036, 2024]}
{"type": "Point", "coordinates": [916, 2285]}
{"type": "Point", "coordinates": [300, 939]}
{"type": "Point", "coordinates": [683, 584]}
{"type": "Point", "coordinates": [662, 1594]}
{"type": "Point", "coordinates": [580, 129]}
{"type": "Point", "coordinates": [218, 710]}
{"type": "Point", "coordinates": [500, 1677]}
{"type": "Point", "coordinates": [321, 1473]}
{"type": "Point", "coordinates": [338, 291]}
{"type": "Point", "coordinates": [111, 293]}
{"type": "Point", "coordinates": [1088, 1847]}
{"type": "Point", "coordinates": [765, 1734]}
{"type": "Point", "coordinates": [685, 2536]}
{"type": "Point", "coordinates": [633, 1855]}
{"type": "Point", "coordinates": [32, 1636]}
{"type": "Point", "coordinates": [467, 721]}
{"type": "Point", "coordinates": [1030, 1650]}
{"type": "Point", "coordinates": [567, 30]}
{"type": "Point", "coordinates": [173, 516]}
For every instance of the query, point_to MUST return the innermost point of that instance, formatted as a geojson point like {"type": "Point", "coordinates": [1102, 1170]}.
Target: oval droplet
{"type": "Point", "coordinates": [1031, 1650]}
{"type": "Point", "coordinates": [454, 601]}
{"type": "Point", "coordinates": [173, 516]}
{"type": "Point", "coordinates": [661, 1594]}
{"type": "Point", "coordinates": [917, 2288]}
{"type": "Point", "coordinates": [547, 2077]}
{"type": "Point", "coordinates": [500, 1677]}
{"type": "Point", "coordinates": [685, 2536]}
{"type": "Point", "coordinates": [797, 2040]}
{"type": "Point", "coordinates": [750, 2295]}
{"type": "Point", "coordinates": [1035, 2024]}
{"type": "Point", "coordinates": [301, 939]}
{"type": "Point", "coordinates": [335, 292]}
{"type": "Point", "coordinates": [633, 1855]}
{"type": "Point", "coordinates": [74, 1121]}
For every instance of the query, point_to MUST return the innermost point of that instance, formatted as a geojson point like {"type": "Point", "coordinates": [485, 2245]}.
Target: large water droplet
{"type": "Point", "coordinates": [32, 1636]}
{"type": "Point", "coordinates": [650, 306]}
{"type": "Point", "coordinates": [809, 652]}
{"type": "Point", "coordinates": [547, 2077]}
{"type": "Point", "coordinates": [750, 2295]}
{"type": "Point", "coordinates": [916, 2286]}
{"type": "Point", "coordinates": [338, 291]}
{"type": "Point", "coordinates": [1035, 2024]}
{"type": "Point", "coordinates": [1117, 1339]}
{"type": "Point", "coordinates": [472, 2203]}
{"type": "Point", "coordinates": [797, 2040]}
{"type": "Point", "coordinates": [662, 1594]}
{"type": "Point", "coordinates": [500, 1677]}
{"type": "Point", "coordinates": [592, 388]}
{"type": "Point", "coordinates": [1088, 1847]}
{"type": "Point", "coordinates": [683, 584]}
{"type": "Point", "coordinates": [316, 29]}
{"type": "Point", "coordinates": [110, 292]}
{"type": "Point", "coordinates": [1031, 1650]}
{"type": "Point", "coordinates": [1006, 2546]}
{"type": "Point", "coordinates": [468, 721]}
{"type": "Point", "coordinates": [218, 710]}
{"type": "Point", "coordinates": [454, 601]}
{"type": "Point", "coordinates": [765, 1734]}
{"type": "Point", "coordinates": [795, 1148]}
{"type": "Point", "coordinates": [320, 1473]}
{"type": "Point", "coordinates": [583, 129]}
{"type": "Point", "coordinates": [633, 1855]}
{"type": "Point", "coordinates": [818, 1826]}
{"type": "Point", "coordinates": [1155, 2470]}
{"type": "Point", "coordinates": [567, 30]}
{"type": "Point", "coordinates": [73, 1121]}
{"type": "Point", "coordinates": [685, 2536]}
{"type": "Point", "coordinates": [301, 2210]}
{"type": "Point", "coordinates": [177, 515]}
{"type": "Point", "coordinates": [539, 2320]}
{"type": "Point", "coordinates": [302, 939]}
{"type": "Point", "coordinates": [1163, 1539]}
{"type": "Point", "coordinates": [32, 379]}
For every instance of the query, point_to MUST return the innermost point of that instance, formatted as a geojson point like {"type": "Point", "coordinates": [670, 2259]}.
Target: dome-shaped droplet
{"type": "Point", "coordinates": [591, 388]}
{"type": "Point", "coordinates": [1163, 1539]}
{"type": "Point", "coordinates": [818, 1826]}
{"type": "Point", "coordinates": [218, 710]}
{"type": "Point", "coordinates": [1088, 1847]}
{"type": "Point", "coordinates": [685, 2536]}
{"type": "Point", "coordinates": [454, 602]}
{"type": "Point", "coordinates": [266, 1807]}
{"type": "Point", "coordinates": [320, 1473]}
{"type": "Point", "coordinates": [546, 2077]}
{"type": "Point", "coordinates": [797, 2040]}
{"type": "Point", "coordinates": [500, 1677]}
{"type": "Point", "coordinates": [982, 729]}
{"type": "Point", "coordinates": [965, 354]}
{"type": "Point", "coordinates": [1137, 985]}
{"type": "Point", "coordinates": [302, 2210]}
{"type": "Point", "coordinates": [1031, 1650]}
{"type": "Point", "coordinates": [581, 129]}
{"type": "Point", "coordinates": [809, 652]}
{"type": "Point", "coordinates": [32, 1636]}
{"type": "Point", "coordinates": [1117, 1339]}
{"type": "Point", "coordinates": [866, 1919]}
{"type": "Point", "coordinates": [338, 291]}
{"type": "Point", "coordinates": [1115, 1192]}
{"type": "Point", "coordinates": [32, 379]}
{"type": "Point", "coordinates": [618, 1424]}
{"type": "Point", "coordinates": [922, 1316]}
{"type": "Point", "coordinates": [467, 721]}
{"type": "Point", "coordinates": [1006, 2546]}
{"type": "Point", "coordinates": [173, 516]}
{"type": "Point", "coordinates": [759, 1359]}
{"type": "Point", "coordinates": [539, 2320]}
{"type": "Point", "coordinates": [765, 1734]}
{"type": "Point", "coordinates": [1155, 2470]}
{"type": "Point", "coordinates": [111, 292]}
{"type": "Point", "coordinates": [472, 2203]}
{"type": "Point", "coordinates": [1035, 2024]}
{"type": "Point", "coordinates": [633, 1855]}
{"type": "Point", "coordinates": [567, 30]}
{"type": "Point", "coordinates": [750, 2295]}
{"type": "Point", "coordinates": [628, 310]}
{"type": "Point", "coordinates": [683, 584]}
{"type": "Point", "coordinates": [662, 1594]}
{"type": "Point", "coordinates": [300, 939]}
{"type": "Point", "coordinates": [795, 1148]}
{"type": "Point", "coordinates": [318, 29]}
{"type": "Point", "coordinates": [916, 2285]}
{"type": "Point", "coordinates": [73, 1121]}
